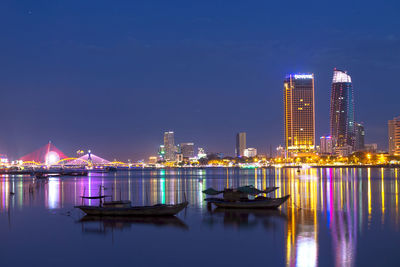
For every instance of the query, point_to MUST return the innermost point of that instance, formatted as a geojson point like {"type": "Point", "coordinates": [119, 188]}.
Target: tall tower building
{"type": "Point", "coordinates": [299, 112]}
{"type": "Point", "coordinates": [394, 136]}
{"type": "Point", "coordinates": [359, 137]}
{"type": "Point", "coordinates": [240, 144]}
{"type": "Point", "coordinates": [169, 146]}
{"type": "Point", "coordinates": [342, 110]}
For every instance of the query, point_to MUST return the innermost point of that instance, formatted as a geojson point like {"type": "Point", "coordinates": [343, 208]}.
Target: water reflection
{"type": "Point", "coordinates": [245, 218]}
{"type": "Point", "coordinates": [341, 201]}
{"type": "Point", "coordinates": [104, 225]}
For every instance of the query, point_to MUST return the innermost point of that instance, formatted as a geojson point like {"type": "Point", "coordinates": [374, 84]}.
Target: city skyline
{"type": "Point", "coordinates": [169, 135]}
{"type": "Point", "coordinates": [202, 71]}
{"type": "Point", "coordinates": [149, 132]}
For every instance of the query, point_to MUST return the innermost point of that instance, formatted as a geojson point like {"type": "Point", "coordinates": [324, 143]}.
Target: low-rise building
{"type": "Point", "coordinates": [344, 151]}
{"type": "Point", "coordinates": [326, 145]}
{"type": "Point", "coordinates": [371, 148]}
{"type": "Point", "coordinates": [250, 152]}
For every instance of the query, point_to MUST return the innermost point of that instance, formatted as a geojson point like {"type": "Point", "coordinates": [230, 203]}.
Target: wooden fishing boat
{"type": "Point", "coordinates": [124, 207]}
{"type": "Point", "coordinates": [124, 210]}
{"type": "Point", "coordinates": [238, 198]}
{"type": "Point", "coordinates": [263, 203]}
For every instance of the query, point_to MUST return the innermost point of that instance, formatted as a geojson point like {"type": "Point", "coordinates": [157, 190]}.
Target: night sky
{"type": "Point", "coordinates": [112, 76]}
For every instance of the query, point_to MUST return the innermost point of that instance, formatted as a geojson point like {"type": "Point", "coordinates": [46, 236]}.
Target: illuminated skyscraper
{"type": "Point", "coordinates": [240, 144]}
{"type": "Point", "coordinates": [342, 110]}
{"type": "Point", "coordinates": [359, 137]}
{"type": "Point", "coordinates": [394, 136]}
{"type": "Point", "coordinates": [299, 113]}
{"type": "Point", "coordinates": [169, 146]}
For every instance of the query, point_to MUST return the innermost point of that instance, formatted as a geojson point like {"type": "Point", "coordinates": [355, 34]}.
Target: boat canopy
{"type": "Point", "coordinates": [212, 191]}
{"type": "Point", "coordinates": [94, 197]}
{"type": "Point", "coordinates": [248, 189]}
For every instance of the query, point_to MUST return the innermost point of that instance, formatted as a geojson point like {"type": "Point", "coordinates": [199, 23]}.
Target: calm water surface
{"type": "Point", "coordinates": [335, 217]}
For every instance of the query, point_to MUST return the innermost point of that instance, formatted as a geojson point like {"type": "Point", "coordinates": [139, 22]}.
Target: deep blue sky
{"type": "Point", "coordinates": [113, 75]}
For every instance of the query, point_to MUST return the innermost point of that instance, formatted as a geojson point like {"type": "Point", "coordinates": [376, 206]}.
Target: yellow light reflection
{"type": "Point", "coordinates": [369, 194]}
{"type": "Point", "coordinates": [397, 192]}
{"type": "Point", "coordinates": [383, 195]}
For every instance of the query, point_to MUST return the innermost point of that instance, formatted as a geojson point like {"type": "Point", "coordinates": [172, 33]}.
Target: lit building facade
{"type": "Point", "coordinates": [280, 152]}
{"type": "Point", "coordinates": [201, 153]}
{"type": "Point", "coordinates": [394, 136]}
{"type": "Point", "coordinates": [373, 148]}
{"type": "Point", "coordinates": [342, 109]}
{"type": "Point", "coordinates": [179, 157]}
{"type": "Point", "coordinates": [153, 160]}
{"type": "Point", "coordinates": [187, 150]}
{"type": "Point", "coordinates": [359, 137]}
{"type": "Point", "coordinates": [299, 112]}
{"type": "Point", "coordinates": [326, 145]}
{"type": "Point", "coordinates": [250, 152]}
{"type": "Point", "coordinates": [169, 146]}
{"type": "Point", "coordinates": [240, 144]}
{"type": "Point", "coordinates": [3, 159]}
{"type": "Point", "coordinates": [161, 152]}
{"type": "Point", "coordinates": [343, 151]}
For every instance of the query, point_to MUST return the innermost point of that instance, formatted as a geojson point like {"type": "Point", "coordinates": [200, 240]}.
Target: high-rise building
{"type": "Point", "coordinates": [240, 144]}
{"type": "Point", "coordinates": [342, 109]}
{"type": "Point", "coordinates": [326, 145]}
{"type": "Point", "coordinates": [169, 146]}
{"type": "Point", "coordinates": [299, 113]}
{"type": "Point", "coordinates": [187, 150]}
{"type": "Point", "coordinates": [394, 136]}
{"type": "Point", "coordinates": [359, 137]}
{"type": "Point", "coordinates": [161, 152]}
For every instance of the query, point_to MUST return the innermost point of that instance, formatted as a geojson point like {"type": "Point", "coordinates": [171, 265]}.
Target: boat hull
{"type": "Point", "coordinates": [156, 210]}
{"type": "Point", "coordinates": [273, 203]}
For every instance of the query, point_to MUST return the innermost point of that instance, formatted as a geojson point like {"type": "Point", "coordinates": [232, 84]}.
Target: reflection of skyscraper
{"type": "Point", "coordinates": [299, 113]}
{"type": "Point", "coordinates": [342, 109]}
{"type": "Point", "coordinates": [394, 136]}
{"type": "Point", "coordinates": [169, 146]}
{"type": "Point", "coordinates": [343, 222]}
{"type": "Point", "coordinates": [359, 137]}
{"type": "Point", "coordinates": [302, 224]}
{"type": "Point", "coordinates": [240, 144]}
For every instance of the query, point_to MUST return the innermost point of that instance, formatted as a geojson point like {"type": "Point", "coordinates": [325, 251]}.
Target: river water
{"type": "Point", "coordinates": [335, 217]}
